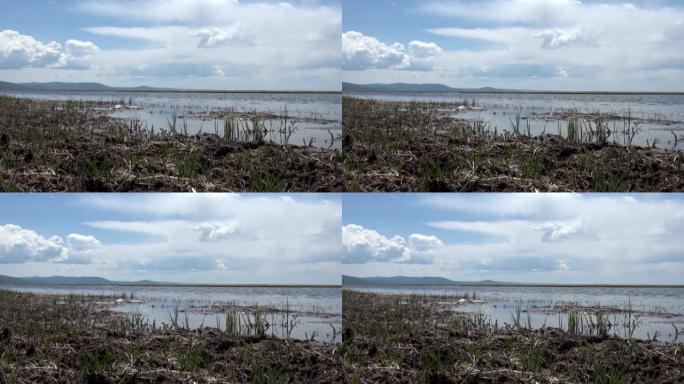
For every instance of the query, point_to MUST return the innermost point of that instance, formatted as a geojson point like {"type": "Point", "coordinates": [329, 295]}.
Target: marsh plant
{"type": "Point", "coordinates": [78, 146]}
{"type": "Point", "coordinates": [407, 338]}
{"type": "Point", "coordinates": [78, 338]}
{"type": "Point", "coordinates": [426, 146]}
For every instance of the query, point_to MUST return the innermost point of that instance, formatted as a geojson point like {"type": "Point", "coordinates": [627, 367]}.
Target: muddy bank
{"type": "Point", "coordinates": [392, 146]}
{"type": "Point", "coordinates": [75, 146]}
{"type": "Point", "coordinates": [593, 116]}
{"type": "Point", "coordinates": [70, 339]}
{"type": "Point", "coordinates": [409, 339]}
{"type": "Point", "coordinates": [230, 113]}
{"type": "Point", "coordinates": [603, 309]}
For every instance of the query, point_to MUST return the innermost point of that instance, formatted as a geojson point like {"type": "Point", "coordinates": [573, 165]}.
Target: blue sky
{"type": "Point", "coordinates": [542, 238]}
{"type": "Point", "coordinates": [200, 238]}
{"type": "Point", "coordinates": [207, 44]}
{"type": "Point", "coordinates": [522, 44]}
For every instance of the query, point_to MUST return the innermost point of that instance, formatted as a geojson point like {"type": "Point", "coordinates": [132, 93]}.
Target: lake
{"type": "Point", "coordinates": [313, 118]}
{"type": "Point", "coordinates": [655, 310]}
{"type": "Point", "coordinates": [315, 310]}
{"type": "Point", "coordinates": [659, 118]}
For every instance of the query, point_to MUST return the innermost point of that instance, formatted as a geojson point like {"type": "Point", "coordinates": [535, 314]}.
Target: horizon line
{"type": "Point", "coordinates": [150, 89]}
{"type": "Point", "coordinates": [509, 285]}
{"type": "Point", "coordinates": [152, 283]}
{"type": "Point", "coordinates": [495, 283]}
{"type": "Point", "coordinates": [488, 89]}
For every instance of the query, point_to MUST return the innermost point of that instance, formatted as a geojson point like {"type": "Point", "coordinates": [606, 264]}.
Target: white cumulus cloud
{"type": "Point", "coordinates": [216, 230]}
{"type": "Point", "coordinates": [367, 52]}
{"type": "Point", "coordinates": [362, 245]}
{"type": "Point", "coordinates": [425, 243]}
{"type": "Point", "coordinates": [556, 38]}
{"type": "Point", "coordinates": [79, 242]}
{"type": "Point", "coordinates": [79, 48]}
{"type": "Point", "coordinates": [211, 37]}
{"type": "Point", "coordinates": [361, 52]}
{"type": "Point", "coordinates": [19, 51]}
{"type": "Point", "coordinates": [21, 245]}
{"type": "Point", "coordinates": [556, 231]}
{"type": "Point", "coordinates": [424, 50]}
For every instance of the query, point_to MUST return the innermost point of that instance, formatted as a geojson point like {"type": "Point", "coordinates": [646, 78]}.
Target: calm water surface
{"type": "Point", "coordinates": [315, 116]}
{"type": "Point", "coordinates": [660, 307]}
{"type": "Point", "coordinates": [319, 308]}
{"type": "Point", "coordinates": [663, 115]}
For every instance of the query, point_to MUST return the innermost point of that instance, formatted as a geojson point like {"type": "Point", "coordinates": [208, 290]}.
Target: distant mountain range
{"type": "Point", "coordinates": [66, 280]}
{"type": "Point", "coordinates": [409, 280]}
{"type": "Point", "coordinates": [89, 280]}
{"type": "Point", "coordinates": [55, 86]}
{"type": "Point", "coordinates": [98, 87]}
{"type": "Point", "coordinates": [403, 87]}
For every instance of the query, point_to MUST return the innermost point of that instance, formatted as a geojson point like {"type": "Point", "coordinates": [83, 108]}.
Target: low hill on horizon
{"type": "Point", "coordinates": [405, 87]}
{"type": "Point", "coordinates": [441, 88]}
{"type": "Point", "coordinates": [99, 87]}
{"type": "Point", "coordinates": [69, 280]}
{"type": "Point", "coordinates": [94, 280]}
{"type": "Point", "coordinates": [60, 86]}
{"type": "Point", "coordinates": [410, 280]}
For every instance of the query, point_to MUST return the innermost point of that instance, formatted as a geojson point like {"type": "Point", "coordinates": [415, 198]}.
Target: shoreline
{"type": "Point", "coordinates": [51, 146]}
{"type": "Point", "coordinates": [600, 93]}
{"type": "Point", "coordinates": [87, 342]}
{"type": "Point", "coordinates": [209, 91]}
{"type": "Point", "coordinates": [325, 286]}
{"type": "Point", "coordinates": [407, 339]}
{"type": "Point", "coordinates": [416, 147]}
{"type": "Point", "coordinates": [513, 285]}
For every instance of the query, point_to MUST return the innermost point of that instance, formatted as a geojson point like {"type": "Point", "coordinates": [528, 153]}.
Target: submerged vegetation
{"type": "Point", "coordinates": [77, 146]}
{"type": "Point", "coordinates": [417, 338]}
{"type": "Point", "coordinates": [422, 146]}
{"type": "Point", "coordinates": [70, 339]}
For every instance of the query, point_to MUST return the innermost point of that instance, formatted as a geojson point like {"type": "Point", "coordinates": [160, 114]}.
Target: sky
{"type": "Point", "coordinates": [190, 44]}
{"type": "Point", "coordinates": [190, 238]}
{"type": "Point", "coordinates": [566, 45]}
{"type": "Point", "coordinates": [525, 238]}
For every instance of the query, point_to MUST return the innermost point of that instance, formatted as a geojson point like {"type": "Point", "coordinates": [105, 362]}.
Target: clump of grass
{"type": "Point", "coordinates": [77, 146]}
{"type": "Point", "coordinates": [424, 146]}
{"type": "Point", "coordinates": [90, 343]}
{"type": "Point", "coordinates": [233, 324]}
{"type": "Point", "coordinates": [419, 338]}
{"type": "Point", "coordinates": [95, 363]}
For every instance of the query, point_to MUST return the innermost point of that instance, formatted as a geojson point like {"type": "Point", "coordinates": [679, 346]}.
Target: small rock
{"type": "Point", "coordinates": [225, 345]}
{"type": "Point", "coordinates": [223, 151]}
{"type": "Point", "coordinates": [6, 334]}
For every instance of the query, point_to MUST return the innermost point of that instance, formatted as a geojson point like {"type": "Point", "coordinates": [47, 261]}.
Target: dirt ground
{"type": "Point", "coordinates": [72, 339]}
{"type": "Point", "coordinates": [413, 339]}
{"type": "Point", "coordinates": [402, 147]}
{"type": "Point", "coordinates": [61, 146]}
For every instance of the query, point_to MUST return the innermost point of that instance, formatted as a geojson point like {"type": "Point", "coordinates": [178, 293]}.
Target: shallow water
{"type": "Point", "coordinates": [663, 114]}
{"type": "Point", "coordinates": [664, 306]}
{"type": "Point", "coordinates": [321, 113]}
{"type": "Point", "coordinates": [320, 308]}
